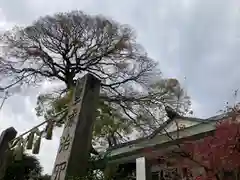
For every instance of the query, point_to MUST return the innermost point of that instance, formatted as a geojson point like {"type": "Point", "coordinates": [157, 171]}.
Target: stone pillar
{"type": "Point", "coordinates": [143, 169]}
{"type": "Point", "coordinates": [5, 138]}
{"type": "Point", "coordinates": [73, 153]}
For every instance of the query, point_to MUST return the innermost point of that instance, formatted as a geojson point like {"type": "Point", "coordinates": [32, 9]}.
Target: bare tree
{"type": "Point", "coordinates": [66, 46]}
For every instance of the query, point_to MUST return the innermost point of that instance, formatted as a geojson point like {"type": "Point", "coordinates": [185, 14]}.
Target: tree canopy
{"type": "Point", "coordinates": [23, 169]}
{"type": "Point", "coordinates": [65, 46]}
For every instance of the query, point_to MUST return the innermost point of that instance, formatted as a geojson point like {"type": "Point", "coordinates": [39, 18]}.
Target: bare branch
{"type": "Point", "coordinates": [65, 46]}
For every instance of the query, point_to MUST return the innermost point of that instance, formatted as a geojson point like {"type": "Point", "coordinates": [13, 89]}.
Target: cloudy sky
{"type": "Point", "coordinates": [196, 41]}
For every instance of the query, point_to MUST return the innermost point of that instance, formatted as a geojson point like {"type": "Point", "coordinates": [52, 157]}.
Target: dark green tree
{"type": "Point", "coordinates": [45, 177]}
{"type": "Point", "coordinates": [24, 169]}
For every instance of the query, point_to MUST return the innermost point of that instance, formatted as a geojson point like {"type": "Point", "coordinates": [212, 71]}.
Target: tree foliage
{"type": "Point", "coordinates": [22, 170]}
{"type": "Point", "coordinates": [65, 46]}
{"type": "Point", "coordinates": [112, 126]}
{"type": "Point", "coordinates": [45, 177]}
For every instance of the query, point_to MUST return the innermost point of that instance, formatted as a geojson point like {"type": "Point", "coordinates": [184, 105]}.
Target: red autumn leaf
{"type": "Point", "coordinates": [220, 151]}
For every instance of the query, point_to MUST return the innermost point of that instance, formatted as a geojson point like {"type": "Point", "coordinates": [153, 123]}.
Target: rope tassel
{"type": "Point", "coordinates": [30, 139]}
{"type": "Point", "coordinates": [18, 152]}
{"type": "Point", "coordinates": [37, 145]}
{"type": "Point", "coordinates": [49, 130]}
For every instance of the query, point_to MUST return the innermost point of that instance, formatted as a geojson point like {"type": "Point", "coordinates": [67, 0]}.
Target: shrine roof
{"type": "Point", "coordinates": [132, 149]}
{"type": "Point", "coordinates": [200, 120]}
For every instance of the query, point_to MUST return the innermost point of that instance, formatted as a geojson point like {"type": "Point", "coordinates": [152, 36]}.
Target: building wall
{"type": "Point", "coordinates": [171, 173]}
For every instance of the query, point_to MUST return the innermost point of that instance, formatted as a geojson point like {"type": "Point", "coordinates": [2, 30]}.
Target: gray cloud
{"type": "Point", "coordinates": [196, 39]}
{"type": "Point", "coordinates": [208, 52]}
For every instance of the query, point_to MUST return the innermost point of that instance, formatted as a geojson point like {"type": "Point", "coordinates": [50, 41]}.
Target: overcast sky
{"type": "Point", "coordinates": [196, 41]}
